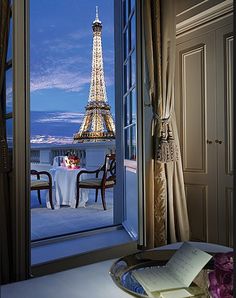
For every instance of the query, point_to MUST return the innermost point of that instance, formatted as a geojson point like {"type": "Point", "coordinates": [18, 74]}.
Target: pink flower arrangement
{"type": "Point", "coordinates": [72, 161]}
{"type": "Point", "coordinates": [221, 278]}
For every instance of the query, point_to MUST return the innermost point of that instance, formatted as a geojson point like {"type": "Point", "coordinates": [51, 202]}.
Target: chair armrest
{"type": "Point", "coordinates": [88, 172]}
{"type": "Point", "coordinates": [34, 172]}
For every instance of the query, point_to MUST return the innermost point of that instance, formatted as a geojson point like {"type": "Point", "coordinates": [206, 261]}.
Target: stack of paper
{"type": "Point", "coordinates": [173, 279]}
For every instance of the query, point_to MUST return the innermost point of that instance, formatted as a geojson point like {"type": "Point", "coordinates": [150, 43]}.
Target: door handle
{"type": "Point", "coordinates": [218, 141]}
{"type": "Point", "coordinates": [209, 142]}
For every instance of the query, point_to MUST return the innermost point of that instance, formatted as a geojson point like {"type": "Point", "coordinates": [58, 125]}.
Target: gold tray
{"type": "Point", "coordinates": [121, 272]}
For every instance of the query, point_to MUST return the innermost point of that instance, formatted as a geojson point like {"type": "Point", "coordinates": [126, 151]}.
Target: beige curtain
{"type": "Point", "coordinates": [5, 210]}
{"type": "Point", "coordinates": [170, 219]}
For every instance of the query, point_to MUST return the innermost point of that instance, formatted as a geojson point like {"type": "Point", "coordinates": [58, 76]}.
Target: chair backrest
{"type": "Point", "coordinates": [109, 168]}
{"type": "Point", "coordinates": [34, 173]}
{"type": "Point", "coordinates": [41, 175]}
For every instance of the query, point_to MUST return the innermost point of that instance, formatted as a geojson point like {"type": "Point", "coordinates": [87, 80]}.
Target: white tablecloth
{"type": "Point", "coordinates": [64, 187]}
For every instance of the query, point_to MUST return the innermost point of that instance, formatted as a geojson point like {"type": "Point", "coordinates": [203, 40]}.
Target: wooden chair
{"type": "Point", "coordinates": [107, 180]}
{"type": "Point", "coordinates": [41, 183]}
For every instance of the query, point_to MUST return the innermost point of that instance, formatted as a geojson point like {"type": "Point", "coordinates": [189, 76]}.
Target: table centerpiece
{"type": "Point", "coordinates": [72, 161]}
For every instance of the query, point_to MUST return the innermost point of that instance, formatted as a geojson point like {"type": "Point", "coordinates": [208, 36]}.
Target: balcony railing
{"type": "Point", "coordinates": [91, 154]}
{"type": "Point", "coordinates": [35, 155]}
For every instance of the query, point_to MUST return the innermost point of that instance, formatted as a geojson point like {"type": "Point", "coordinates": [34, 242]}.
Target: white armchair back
{"type": "Point", "coordinates": [58, 161]}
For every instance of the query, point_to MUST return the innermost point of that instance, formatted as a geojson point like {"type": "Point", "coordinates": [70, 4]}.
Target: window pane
{"type": "Point", "coordinates": [127, 143]}
{"type": "Point", "coordinates": [133, 143]}
{"type": "Point", "coordinates": [127, 9]}
{"type": "Point", "coordinates": [133, 105]}
{"type": "Point", "coordinates": [129, 36]}
{"type": "Point", "coordinates": [124, 14]}
{"type": "Point", "coordinates": [126, 76]}
{"type": "Point", "coordinates": [129, 83]}
{"type": "Point", "coordinates": [133, 68]}
{"type": "Point", "coordinates": [127, 110]}
{"type": "Point", "coordinates": [133, 32]}
{"type": "Point", "coordinates": [9, 49]}
{"type": "Point", "coordinates": [126, 44]}
{"type": "Point", "coordinates": [9, 131]}
{"type": "Point", "coordinates": [130, 142]}
{"type": "Point", "coordinates": [9, 90]}
{"type": "Point", "coordinates": [132, 4]}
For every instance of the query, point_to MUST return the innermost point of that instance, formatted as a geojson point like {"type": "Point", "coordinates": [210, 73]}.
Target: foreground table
{"type": "Point", "coordinates": [83, 282]}
{"type": "Point", "coordinates": [91, 281]}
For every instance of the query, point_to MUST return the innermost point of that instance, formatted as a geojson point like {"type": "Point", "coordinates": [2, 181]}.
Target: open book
{"type": "Point", "coordinates": [178, 273]}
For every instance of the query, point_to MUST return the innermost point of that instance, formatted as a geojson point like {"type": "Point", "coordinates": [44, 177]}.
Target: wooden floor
{"type": "Point", "coordinates": [48, 223]}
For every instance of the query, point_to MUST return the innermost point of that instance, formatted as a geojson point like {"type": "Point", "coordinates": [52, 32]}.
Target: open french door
{"type": "Point", "coordinates": [129, 180]}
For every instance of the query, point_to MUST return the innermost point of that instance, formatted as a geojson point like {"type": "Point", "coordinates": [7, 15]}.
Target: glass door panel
{"type": "Point", "coordinates": [130, 221]}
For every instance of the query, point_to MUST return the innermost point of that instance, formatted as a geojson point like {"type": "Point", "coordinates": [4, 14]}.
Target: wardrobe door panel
{"type": "Point", "coordinates": [224, 141]}
{"type": "Point", "coordinates": [197, 200]}
{"type": "Point", "coordinates": [194, 109]}
{"type": "Point", "coordinates": [204, 113]}
{"type": "Point", "coordinates": [196, 118]}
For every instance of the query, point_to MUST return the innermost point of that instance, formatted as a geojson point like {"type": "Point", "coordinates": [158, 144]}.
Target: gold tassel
{"type": "Point", "coordinates": [167, 150]}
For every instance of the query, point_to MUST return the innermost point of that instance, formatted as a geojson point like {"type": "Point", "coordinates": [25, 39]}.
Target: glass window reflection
{"type": "Point", "coordinates": [133, 32]}
{"type": "Point", "coordinates": [127, 143]}
{"type": "Point", "coordinates": [132, 4]}
{"type": "Point", "coordinates": [124, 13]}
{"type": "Point", "coordinates": [9, 132]}
{"type": "Point", "coordinates": [9, 48]}
{"type": "Point", "coordinates": [133, 143]}
{"type": "Point", "coordinates": [127, 9]}
{"type": "Point", "coordinates": [133, 106]}
{"type": "Point", "coordinates": [127, 110]}
{"type": "Point", "coordinates": [9, 102]}
{"type": "Point", "coordinates": [129, 74]}
{"type": "Point", "coordinates": [126, 44]}
{"type": "Point", "coordinates": [126, 76]}
{"type": "Point", "coordinates": [133, 68]}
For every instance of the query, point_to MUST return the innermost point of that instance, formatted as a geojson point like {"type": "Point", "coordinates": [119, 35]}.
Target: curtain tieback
{"type": "Point", "coordinates": [167, 150]}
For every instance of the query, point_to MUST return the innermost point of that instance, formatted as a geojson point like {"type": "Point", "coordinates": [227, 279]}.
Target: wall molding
{"type": "Point", "coordinates": [199, 49]}
{"type": "Point", "coordinates": [223, 9]}
{"type": "Point", "coordinates": [191, 8]}
{"type": "Point", "coordinates": [229, 216]}
{"type": "Point", "coordinates": [228, 45]}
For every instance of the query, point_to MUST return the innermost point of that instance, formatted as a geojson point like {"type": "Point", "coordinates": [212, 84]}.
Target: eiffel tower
{"type": "Point", "coordinates": [98, 124]}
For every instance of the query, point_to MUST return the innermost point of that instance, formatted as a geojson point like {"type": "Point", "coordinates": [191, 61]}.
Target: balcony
{"type": "Point", "coordinates": [47, 223]}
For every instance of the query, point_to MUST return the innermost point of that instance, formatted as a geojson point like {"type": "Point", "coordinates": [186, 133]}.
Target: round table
{"type": "Point", "coordinates": [65, 189]}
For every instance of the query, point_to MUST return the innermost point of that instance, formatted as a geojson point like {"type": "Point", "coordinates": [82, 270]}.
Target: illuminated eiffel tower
{"type": "Point", "coordinates": [98, 124]}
